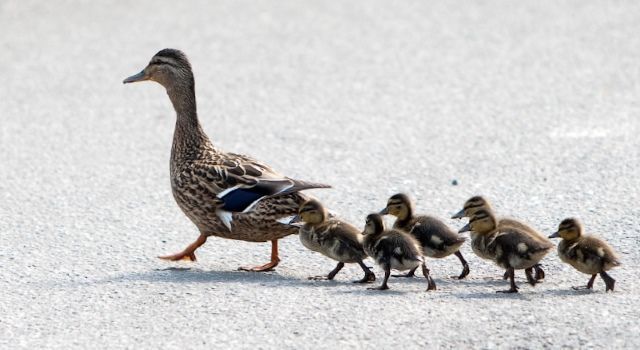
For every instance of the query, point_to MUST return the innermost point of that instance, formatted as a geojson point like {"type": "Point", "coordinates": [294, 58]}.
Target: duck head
{"type": "Point", "coordinates": [399, 205]}
{"type": "Point", "coordinates": [169, 67]}
{"type": "Point", "coordinates": [482, 221]}
{"type": "Point", "coordinates": [373, 224]}
{"type": "Point", "coordinates": [311, 212]}
{"type": "Point", "coordinates": [471, 206]}
{"type": "Point", "coordinates": [569, 229]}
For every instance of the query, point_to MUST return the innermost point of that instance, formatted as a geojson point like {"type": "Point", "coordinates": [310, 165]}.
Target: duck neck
{"type": "Point", "coordinates": [189, 140]}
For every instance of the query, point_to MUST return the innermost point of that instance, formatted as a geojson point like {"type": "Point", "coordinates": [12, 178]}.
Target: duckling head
{"type": "Point", "coordinates": [169, 67]}
{"type": "Point", "coordinates": [471, 206]}
{"type": "Point", "coordinates": [311, 212]}
{"type": "Point", "coordinates": [399, 205]}
{"type": "Point", "coordinates": [569, 229]}
{"type": "Point", "coordinates": [373, 224]}
{"type": "Point", "coordinates": [482, 221]}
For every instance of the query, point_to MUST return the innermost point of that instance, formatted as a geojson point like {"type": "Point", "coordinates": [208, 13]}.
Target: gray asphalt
{"type": "Point", "coordinates": [532, 103]}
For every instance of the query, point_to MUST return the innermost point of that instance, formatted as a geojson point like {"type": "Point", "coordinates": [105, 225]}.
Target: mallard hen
{"type": "Point", "coordinates": [224, 194]}
{"type": "Point", "coordinates": [587, 254]}
{"type": "Point", "coordinates": [436, 238]}
{"type": "Point", "coordinates": [333, 238]}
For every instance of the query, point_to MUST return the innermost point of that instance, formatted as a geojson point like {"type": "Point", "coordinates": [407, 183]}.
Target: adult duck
{"type": "Point", "coordinates": [224, 194]}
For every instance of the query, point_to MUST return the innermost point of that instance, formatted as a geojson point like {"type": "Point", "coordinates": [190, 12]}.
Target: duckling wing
{"type": "Point", "coordinates": [432, 232]}
{"type": "Point", "coordinates": [507, 223]}
{"type": "Point", "coordinates": [399, 246]}
{"type": "Point", "coordinates": [592, 250]}
{"type": "Point", "coordinates": [348, 238]}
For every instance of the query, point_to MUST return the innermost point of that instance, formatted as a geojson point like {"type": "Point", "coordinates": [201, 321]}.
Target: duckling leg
{"type": "Point", "coordinates": [506, 275]}
{"type": "Point", "coordinates": [512, 277]}
{"type": "Point", "coordinates": [335, 271]}
{"type": "Point", "coordinates": [369, 276]}
{"type": "Point", "coordinates": [608, 281]}
{"type": "Point", "coordinates": [331, 274]}
{"type": "Point", "coordinates": [539, 272]}
{"type": "Point", "coordinates": [411, 273]}
{"type": "Point", "coordinates": [384, 286]}
{"type": "Point", "coordinates": [189, 252]}
{"type": "Point", "coordinates": [589, 284]}
{"type": "Point", "coordinates": [431, 284]}
{"type": "Point", "coordinates": [275, 260]}
{"type": "Point", "coordinates": [529, 273]}
{"type": "Point", "coordinates": [465, 265]}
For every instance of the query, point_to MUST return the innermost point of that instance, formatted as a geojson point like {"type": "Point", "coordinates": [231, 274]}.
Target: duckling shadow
{"type": "Point", "coordinates": [454, 281]}
{"type": "Point", "coordinates": [572, 292]}
{"type": "Point", "coordinates": [492, 295]}
{"type": "Point", "coordinates": [193, 275]}
{"type": "Point", "coordinates": [369, 292]}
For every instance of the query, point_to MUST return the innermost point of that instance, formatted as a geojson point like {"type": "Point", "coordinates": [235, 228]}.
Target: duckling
{"type": "Point", "coordinates": [587, 254]}
{"type": "Point", "coordinates": [393, 249]}
{"type": "Point", "coordinates": [332, 238]}
{"type": "Point", "coordinates": [437, 240]}
{"type": "Point", "coordinates": [475, 203]}
{"type": "Point", "coordinates": [511, 248]}
{"type": "Point", "coordinates": [224, 194]}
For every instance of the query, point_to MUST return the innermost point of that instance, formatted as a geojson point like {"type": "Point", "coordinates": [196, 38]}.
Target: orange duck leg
{"type": "Point", "coordinates": [268, 266]}
{"type": "Point", "coordinates": [189, 252]}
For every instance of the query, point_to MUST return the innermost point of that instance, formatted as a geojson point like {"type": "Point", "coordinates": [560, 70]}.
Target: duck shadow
{"type": "Point", "coordinates": [187, 275]}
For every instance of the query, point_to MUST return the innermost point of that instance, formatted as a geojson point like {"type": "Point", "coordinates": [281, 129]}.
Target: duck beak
{"type": "Point", "coordinates": [136, 77]}
{"type": "Point", "coordinates": [458, 215]}
{"type": "Point", "coordinates": [465, 228]}
{"type": "Point", "coordinates": [555, 235]}
{"type": "Point", "coordinates": [384, 211]}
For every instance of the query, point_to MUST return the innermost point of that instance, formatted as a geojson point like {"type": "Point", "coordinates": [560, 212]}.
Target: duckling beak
{"type": "Point", "coordinates": [296, 219]}
{"type": "Point", "coordinates": [136, 77]}
{"type": "Point", "coordinates": [555, 235]}
{"type": "Point", "coordinates": [384, 211]}
{"type": "Point", "coordinates": [458, 215]}
{"type": "Point", "coordinates": [465, 228]}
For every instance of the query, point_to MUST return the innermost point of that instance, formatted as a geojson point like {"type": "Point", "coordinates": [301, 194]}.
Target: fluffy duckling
{"type": "Point", "coordinates": [332, 238]}
{"type": "Point", "coordinates": [511, 248]}
{"type": "Point", "coordinates": [393, 249]}
{"type": "Point", "coordinates": [436, 238]}
{"type": "Point", "coordinates": [587, 254]}
{"type": "Point", "coordinates": [475, 203]}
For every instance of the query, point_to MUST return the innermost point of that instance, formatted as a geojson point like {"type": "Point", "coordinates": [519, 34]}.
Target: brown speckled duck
{"type": "Point", "coordinates": [393, 249]}
{"type": "Point", "coordinates": [587, 254]}
{"type": "Point", "coordinates": [224, 194]}
{"type": "Point", "coordinates": [511, 248]}
{"type": "Point", "coordinates": [333, 238]}
{"type": "Point", "coordinates": [436, 238]}
{"type": "Point", "coordinates": [478, 245]}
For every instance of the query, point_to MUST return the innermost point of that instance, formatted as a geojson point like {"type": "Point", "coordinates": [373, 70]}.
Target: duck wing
{"type": "Point", "coordinates": [241, 182]}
